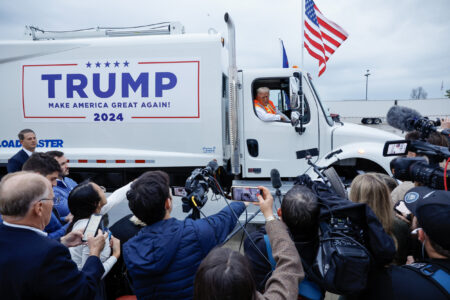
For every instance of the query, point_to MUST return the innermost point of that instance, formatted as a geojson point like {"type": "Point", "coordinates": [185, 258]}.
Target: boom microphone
{"type": "Point", "coordinates": [275, 178]}
{"type": "Point", "coordinates": [402, 118]}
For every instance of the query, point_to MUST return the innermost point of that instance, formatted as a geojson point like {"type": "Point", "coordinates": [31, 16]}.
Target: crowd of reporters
{"type": "Point", "coordinates": [152, 255]}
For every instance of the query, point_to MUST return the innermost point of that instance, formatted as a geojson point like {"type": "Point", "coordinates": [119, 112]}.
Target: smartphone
{"type": "Point", "coordinates": [401, 208]}
{"type": "Point", "coordinates": [394, 148]}
{"type": "Point", "coordinates": [245, 193]}
{"type": "Point", "coordinates": [92, 226]}
{"type": "Point", "coordinates": [179, 191]}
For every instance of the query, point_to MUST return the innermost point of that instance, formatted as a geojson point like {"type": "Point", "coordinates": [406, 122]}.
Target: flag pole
{"type": "Point", "coordinates": [303, 34]}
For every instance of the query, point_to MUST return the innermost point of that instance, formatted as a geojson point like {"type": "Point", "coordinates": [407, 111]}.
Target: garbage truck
{"type": "Point", "coordinates": [120, 102]}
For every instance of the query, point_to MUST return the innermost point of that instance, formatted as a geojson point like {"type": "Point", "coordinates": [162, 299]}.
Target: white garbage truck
{"type": "Point", "coordinates": [130, 101]}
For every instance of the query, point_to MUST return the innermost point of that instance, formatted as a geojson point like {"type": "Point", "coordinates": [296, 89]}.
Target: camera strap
{"type": "Point", "coordinates": [435, 274]}
{"type": "Point", "coordinates": [306, 288]}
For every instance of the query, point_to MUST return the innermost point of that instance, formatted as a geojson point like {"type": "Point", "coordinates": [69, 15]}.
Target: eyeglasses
{"type": "Point", "coordinates": [55, 200]}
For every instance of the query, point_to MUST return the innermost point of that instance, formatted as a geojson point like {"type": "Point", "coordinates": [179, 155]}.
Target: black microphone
{"type": "Point", "coordinates": [275, 178]}
{"type": "Point", "coordinates": [402, 118]}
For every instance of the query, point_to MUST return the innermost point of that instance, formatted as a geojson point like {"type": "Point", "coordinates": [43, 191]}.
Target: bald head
{"type": "Point", "coordinates": [19, 190]}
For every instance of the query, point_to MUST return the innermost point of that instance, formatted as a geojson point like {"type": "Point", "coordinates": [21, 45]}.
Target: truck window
{"type": "Point", "coordinates": [279, 95]}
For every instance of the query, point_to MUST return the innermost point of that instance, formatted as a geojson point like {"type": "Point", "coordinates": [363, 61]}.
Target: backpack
{"type": "Point", "coordinates": [306, 288]}
{"type": "Point", "coordinates": [342, 262]}
{"type": "Point", "coordinates": [351, 242]}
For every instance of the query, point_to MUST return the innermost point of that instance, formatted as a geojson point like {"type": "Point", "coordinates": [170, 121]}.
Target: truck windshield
{"type": "Point", "coordinates": [324, 108]}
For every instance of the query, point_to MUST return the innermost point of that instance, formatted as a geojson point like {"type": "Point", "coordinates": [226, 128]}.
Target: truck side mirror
{"type": "Point", "coordinates": [294, 88]}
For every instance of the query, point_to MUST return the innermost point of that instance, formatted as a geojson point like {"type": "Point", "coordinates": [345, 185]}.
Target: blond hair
{"type": "Point", "coordinates": [370, 189]}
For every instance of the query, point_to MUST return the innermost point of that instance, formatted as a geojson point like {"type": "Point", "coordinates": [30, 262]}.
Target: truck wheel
{"type": "Point", "coordinates": [364, 120]}
{"type": "Point", "coordinates": [369, 121]}
{"type": "Point", "coordinates": [335, 181]}
{"type": "Point", "coordinates": [377, 121]}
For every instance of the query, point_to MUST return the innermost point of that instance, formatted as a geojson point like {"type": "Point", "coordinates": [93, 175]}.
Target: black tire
{"type": "Point", "coordinates": [364, 120]}
{"type": "Point", "coordinates": [369, 121]}
{"type": "Point", "coordinates": [335, 181]}
{"type": "Point", "coordinates": [377, 121]}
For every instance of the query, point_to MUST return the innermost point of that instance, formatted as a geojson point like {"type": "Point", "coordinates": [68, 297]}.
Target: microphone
{"type": "Point", "coordinates": [402, 118]}
{"type": "Point", "coordinates": [275, 178]}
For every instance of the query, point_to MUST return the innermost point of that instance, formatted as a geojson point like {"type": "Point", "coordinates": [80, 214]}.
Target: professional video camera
{"type": "Point", "coordinates": [407, 119]}
{"type": "Point", "coordinates": [417, 168]}
{"type": "Point", "coordinates": [197, 186]}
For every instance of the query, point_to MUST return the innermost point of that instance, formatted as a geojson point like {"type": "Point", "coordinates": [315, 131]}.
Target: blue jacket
{"type": "Point", "coordinates": [35, 267]}
{"type": "Point", "coordinates": [163, 257]}
{"type": "Point", "coordinates": [62, 191]}
{"type": "Point", "coordinates": [54, 228]}
{"type": "Point", "coordinates": [16, 162]}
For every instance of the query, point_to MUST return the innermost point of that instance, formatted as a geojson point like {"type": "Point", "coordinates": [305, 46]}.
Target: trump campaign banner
{"type": "Point", "coordinates": [111, 90]}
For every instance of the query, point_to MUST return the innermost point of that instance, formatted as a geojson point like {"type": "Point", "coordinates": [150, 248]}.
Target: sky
{"type": "Point", "coordinates": [404, 43]}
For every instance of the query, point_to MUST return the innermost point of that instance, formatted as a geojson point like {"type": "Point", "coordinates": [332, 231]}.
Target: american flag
{"type": "Point", "coordinates": [322, 36]}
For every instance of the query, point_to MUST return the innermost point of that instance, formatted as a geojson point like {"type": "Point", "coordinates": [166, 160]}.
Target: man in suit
{"type": "Point", "coordinates": [48, 167]}
{"type": "Point", "coordinates": [27, 138]}
{"type": "Point", "coordinates": [33, 266]}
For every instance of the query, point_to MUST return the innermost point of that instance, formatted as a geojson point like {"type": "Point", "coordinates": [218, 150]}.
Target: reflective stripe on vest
{"type": "Point", "coordinates": [269, 108]}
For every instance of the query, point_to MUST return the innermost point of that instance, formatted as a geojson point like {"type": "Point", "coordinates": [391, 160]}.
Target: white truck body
{"type": "Point", "coordinates": [163, 102]}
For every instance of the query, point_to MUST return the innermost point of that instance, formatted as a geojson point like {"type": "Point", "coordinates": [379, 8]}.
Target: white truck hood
{"type": "Point", "coordinates": [351, 133]}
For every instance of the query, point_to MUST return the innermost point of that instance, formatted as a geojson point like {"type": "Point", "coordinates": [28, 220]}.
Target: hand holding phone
{"type": "Point", "coordinates": [245, 193]}
{"type": "Point", "coordinates": [92, 226]}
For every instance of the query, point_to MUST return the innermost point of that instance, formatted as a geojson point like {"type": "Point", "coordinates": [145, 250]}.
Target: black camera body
{"type": "Point", "coordinates": [197, 186]}
{"type": "Point", "coordinates": [418, 168]}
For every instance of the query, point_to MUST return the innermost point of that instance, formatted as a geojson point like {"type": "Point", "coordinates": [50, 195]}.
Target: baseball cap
{"type": "Point", "coordinates": [432, 209]}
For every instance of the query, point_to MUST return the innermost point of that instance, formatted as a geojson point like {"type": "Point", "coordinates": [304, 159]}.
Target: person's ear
{"type": "Point", "coordinates": [279, 212]}
{"type": "Point", "coordinates": [37, 208]}
{"type": "Point", "coordinates": [421, 236]}
{"type": "Point", "coordinates": [168, 203]}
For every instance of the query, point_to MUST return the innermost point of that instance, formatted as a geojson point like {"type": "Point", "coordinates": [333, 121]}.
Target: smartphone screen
{"type": "Point", "coordinates": [245, 193]}
{"type": "Point", "coordinates": [92, 226]}
{"type": "Point", "coordinates": [401, 208]}
{"type": "Point", "coordinates": [394, 148]}
{"type": "Point", "coordinates": [179, 191]}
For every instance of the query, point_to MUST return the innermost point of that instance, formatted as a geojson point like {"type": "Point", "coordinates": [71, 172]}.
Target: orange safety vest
{"type": "Point", "coordinates": [269, 108]}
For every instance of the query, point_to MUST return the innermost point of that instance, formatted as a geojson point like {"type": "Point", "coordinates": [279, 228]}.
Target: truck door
{"type": "Point", "coordinates": [275, 144]}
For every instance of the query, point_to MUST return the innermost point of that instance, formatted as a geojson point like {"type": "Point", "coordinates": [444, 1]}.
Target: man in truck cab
{"type": "Point", "coordinates": [265, 109]}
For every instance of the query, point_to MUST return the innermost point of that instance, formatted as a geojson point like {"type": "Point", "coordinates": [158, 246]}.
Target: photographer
{"type": "Point", "coordinates": [163, 257]}
{"type": "Point", "coordinates": [300, 212]}
{"type": "Point", "coordinates": [226, 274]}
{"type": "Point", "coordinates": [422, 280]}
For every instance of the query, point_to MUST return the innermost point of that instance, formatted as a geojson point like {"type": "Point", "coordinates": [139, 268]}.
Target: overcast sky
{"type": "Point", "coordinates": [404, 43]}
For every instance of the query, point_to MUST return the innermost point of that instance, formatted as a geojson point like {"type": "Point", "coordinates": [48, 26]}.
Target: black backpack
{"type": "Point", "coordinates": [351, 241]}
{"type": "Point", "coordinates": [342, 263]}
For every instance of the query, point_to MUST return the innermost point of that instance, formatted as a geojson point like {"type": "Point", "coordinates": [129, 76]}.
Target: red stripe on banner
{"type": "Point", "coordinates": [329, 49]}
{"type": "Point", "coordinates": [82, 161]}
{"type": "Point", "coordinates": [140, 161]}
{"type": "Point", "coordinates": [314, 54]}
{"type": "Point", "coordinates": [331, 29]}
{"type": "Point", "coordinates": [101, 161]}
{"type": "Point", "coordinates": [318, 47]}
{"type": "Point", "coordinates": [330, 39]}
{"type": "Point", "coordinates": [120, 161]}
{"type": "Point", "coordinates": [312, 31]}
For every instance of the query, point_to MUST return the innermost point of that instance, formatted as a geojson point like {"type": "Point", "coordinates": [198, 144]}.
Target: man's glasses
{"type": "Point", "coordinates": [55, 200]}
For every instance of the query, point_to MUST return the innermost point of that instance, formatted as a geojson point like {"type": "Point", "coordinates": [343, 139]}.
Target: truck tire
{"type": "Point", "coordinates": [335, 181]}
{"type": "Point", "coordinates": [369, 121]}
{"type": "Point", "coordinates": [364, 120]}
{"type": "Point", "coordinates": [377, 121]}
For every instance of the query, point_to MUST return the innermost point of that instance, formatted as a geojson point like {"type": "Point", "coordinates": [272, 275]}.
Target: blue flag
{"type": "Point", "coordinates": [285, 59]}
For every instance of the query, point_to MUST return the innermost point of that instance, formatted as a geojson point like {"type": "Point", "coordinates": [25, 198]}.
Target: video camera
{"type": "Point", "coordinates": [417, 168]}
{"type": "Point", "coordinates": [197, 186]}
